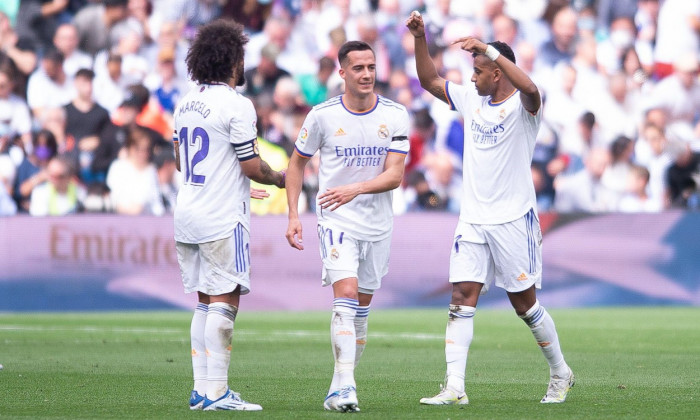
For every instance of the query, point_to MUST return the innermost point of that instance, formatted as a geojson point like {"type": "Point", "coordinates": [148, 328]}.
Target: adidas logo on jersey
{"type": "Point", "coordinates": [340, 132]}
{"type": "Point", "coordinates": [522, 277]}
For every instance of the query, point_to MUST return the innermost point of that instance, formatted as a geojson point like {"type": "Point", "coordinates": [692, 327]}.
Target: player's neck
{"type": "Point", "coordinates": [503, 92]}
{"type": "Point", "coordinates": [356, 103]}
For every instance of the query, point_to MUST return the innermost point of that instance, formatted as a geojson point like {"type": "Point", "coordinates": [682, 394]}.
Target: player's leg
{"type": "Point", "coordinates": [225, 266]}
{"type": "Point", "coordinates": [517, 250]}
{"type": "Point", "coordinates": [188, 260]}
{"type": "Point", "coordinates": [471, 268]}
{"type": "Point", "coordinates": [543, 329]}
{"type": "Point", "coordinates": [361, 324]}
{"type": "Point", "coordinates": [373, 266]}
{"type": "Point", "coordinates": [339, 255]}
{"type": "Point", "coordinates": [199, 351]}
{"type": "Point", "coordinates": [342, 394]}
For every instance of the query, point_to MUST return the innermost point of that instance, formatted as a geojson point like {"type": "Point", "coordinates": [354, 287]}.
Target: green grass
{"type": "Point", "coordinates": [629, 362]}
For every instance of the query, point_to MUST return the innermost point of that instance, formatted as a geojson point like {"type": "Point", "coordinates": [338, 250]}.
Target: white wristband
{"type": "Point", "coordinates": [492, 53]}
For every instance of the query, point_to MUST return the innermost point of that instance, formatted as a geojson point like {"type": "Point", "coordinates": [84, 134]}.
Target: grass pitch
{"type": "Point", "coordinates": [629, 363]}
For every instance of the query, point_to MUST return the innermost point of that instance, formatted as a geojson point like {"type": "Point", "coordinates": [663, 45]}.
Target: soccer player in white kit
{"type": "Point", "coordinates": [215, 143]}
{"type": "Point", "coordinates": [498, 237]}
{"type": "Point", "coordinates": [362, 139]}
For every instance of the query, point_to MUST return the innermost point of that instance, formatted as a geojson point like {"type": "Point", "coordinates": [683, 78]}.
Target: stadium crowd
{"type": "Point", "coordinates": [88, 89]}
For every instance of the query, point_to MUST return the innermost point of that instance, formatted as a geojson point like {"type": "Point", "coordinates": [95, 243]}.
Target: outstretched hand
{"type": "Point", "coordinates": [415, 25]}
{"type": "Point", "coordinates": [471, 44]}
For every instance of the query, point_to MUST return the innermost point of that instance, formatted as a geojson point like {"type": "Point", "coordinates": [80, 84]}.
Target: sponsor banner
{"type": "Point", "coordinates": [110, 262]}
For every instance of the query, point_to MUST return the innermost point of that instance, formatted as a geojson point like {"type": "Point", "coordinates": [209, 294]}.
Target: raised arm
{"type": "Point", "coordinates": [429, 78]}
{"type": "Point", "coordinates": [529, 94]}
{"type": "Point", "coordinates": [388, 180]}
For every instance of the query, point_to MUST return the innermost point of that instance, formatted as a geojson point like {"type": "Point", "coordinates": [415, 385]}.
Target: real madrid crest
{"type": "Point", "coordinates": [383, 132]}
{"type": "Point", "coordinates": [334, 254]}
{"type": "Point", "coordinates": [502, 114]}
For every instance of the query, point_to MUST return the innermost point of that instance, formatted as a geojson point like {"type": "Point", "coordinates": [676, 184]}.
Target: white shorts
{"type": "Point", "coordinates": [344, 257]}
{"type": "Point", "coordinates": [509, 254]}
{"type": "Point", "coordinates": [216, 267]}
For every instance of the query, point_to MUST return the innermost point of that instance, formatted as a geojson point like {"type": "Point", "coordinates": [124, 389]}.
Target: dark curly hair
{"type": "Point", "coordinates": [502, 48]}
{"type": "Point", "coordinates": [216, 51]}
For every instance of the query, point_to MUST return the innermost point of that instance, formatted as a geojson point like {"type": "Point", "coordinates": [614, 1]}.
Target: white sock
{"type": "Point", "coordinates": [458, 337]}
{"type": "Point", "coordinates": [361, 318]}
{"type": "Point", "coordinates": [199, 350]}
{"type": "Point", "coordinates": [542, 326]}
{"type": "Point", "coordinates": [218, 334]}
{"type": "Point", "coordinates": [343, 342]}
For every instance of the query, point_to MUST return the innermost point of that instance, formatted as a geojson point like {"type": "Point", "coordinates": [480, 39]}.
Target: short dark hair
{"type": "Point", "coordinates": [502, 48]}
{"type": "Point", "coordinates": [350, 46]}
{"type": "Point", "coordinates": [86, 73]}
{"type": "Point", "coordinates": [216, 50]}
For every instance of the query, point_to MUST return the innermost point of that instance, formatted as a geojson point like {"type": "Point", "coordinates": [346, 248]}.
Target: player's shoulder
{"type": "Point", "coordinates": [329, 105]}
{"type": "Point", "coordinates": [389, 105]}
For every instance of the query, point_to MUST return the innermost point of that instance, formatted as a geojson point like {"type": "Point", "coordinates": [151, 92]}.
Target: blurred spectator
{"type": "Point", "coordinates": [288, 114]}
{"type": "Point", "coordinates": [623, 34]}
{"type": "Point", "coordinates": [38, 19]}
{"type": "Point", "coordinates": [133, 180]}
{"type": "Point", "coordinates": [85, 120]}
{"type": "Point", "coordinates": [636, 200]}
{"type": "Point", "coordinates": [263, 78]}
{"type": "Point", "coordinates": [141, 11]}
{"type": "Point", "coordinates": [584, 191]}
{"type": "Point", "coordinates": [98, 24]}
{"type": "Point", "coordinates": [167, 183]}
{"type": "Point", "coordinates": [314, 87]}
{"type": "Point", "coordinates": [199, 12]}
{"type": "Point", "coordinates": [164, 83]}
{"type": "Point", "coordinates": [54, 120]}
{"type": "Point", "coordinates": [677, 33]}
{"type": "Point", "coordinates": [657, 163]}
{"type": "Point", "coordinates": [114, 137]}
{"type": "Point", "coordinates": [278, 159]}
{"type": "Point", "coordinates": [250, 13]}
{"type": "Point", "coordinates": [420, 137]}
{"type": "Point", "coordinates": [110, 86]}
{"type": "Point", "coordinates": [134, 66]}
{"type": "Point", "coordinates": [49, 86]}
{"type": "Point", "coordinates": [608, 11]}
{"type": "Point", "coordinates": [616, 175]}
{"type": "Point", "coordinates": [561, 46]}
{"type": "Point", "coordinates": [441, 177]}
{"type": "Point", "coordinates": [66, 41]}
{"type": "Point", "coordinates": [60, 194]}
{"type": "Point", "coordinates": [8, 207]}
{"type": "Point", "coordinates": [645, 21]}
{"type": "Point", "coordinates": [419, 195]}
{"type": "Point", "coordinates": [18, 50]}
{"type": "Point", "coordinates": [15, 118]}
{"type": "Point", "coordinates": [32, 171]}
{"type": "Point", "coordinates": [679, 94]}
{"type": "Point", "coordinates": [149, 114]}
{"type": "Point", "coordinates": [683, 178]}
{"type": "Point", "coordinates": [169, 39]}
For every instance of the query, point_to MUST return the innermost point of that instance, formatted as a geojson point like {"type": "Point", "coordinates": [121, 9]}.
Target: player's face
{"type": "Point", "coordinates": [359, 73]}
{"type": "Point", "coordinates": [484, 75]}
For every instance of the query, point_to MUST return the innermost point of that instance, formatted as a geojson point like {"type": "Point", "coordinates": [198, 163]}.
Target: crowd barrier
{"type": "Point", "coordinates": [112, 262]}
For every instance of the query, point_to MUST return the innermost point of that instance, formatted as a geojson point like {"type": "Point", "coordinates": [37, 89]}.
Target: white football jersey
{"type": "Point", "coordinates": [353, 147]}
{"type": "Point", "coordinates": [499, 140]}
{"type": "Point", "coordinates": [215, 128]}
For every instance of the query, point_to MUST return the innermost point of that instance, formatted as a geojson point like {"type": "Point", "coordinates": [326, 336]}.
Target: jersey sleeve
{"type": "Point", "coordinates": [243, 124]}
{"type": "Point", "coordinates": [456, 96]}
{"type": "Point", "coordinates": [309, 138]}
{"type": "Point", "coordinates": [399, 140]}
{"type": "Point", "coordinates": [243, 133]}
